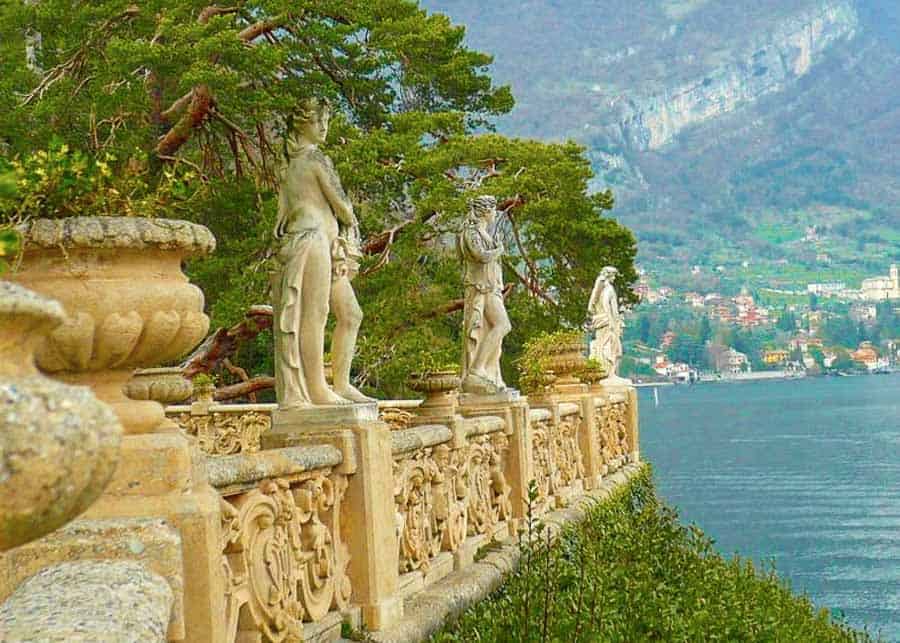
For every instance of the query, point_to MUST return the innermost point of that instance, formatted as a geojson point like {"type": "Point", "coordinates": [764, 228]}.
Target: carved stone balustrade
{"type": "Point", "coordinates": [228, 429]}
{"type": "Point", "coordinates": [559, 469]}
{"type": "Point", "coordinates": [428, 494]}
{"type": "Point", "coordinates": [224, 429]}
{"type": "Point", "coordinates": [611, 431]}
{"type": "Point", "coordinates": [451, 495]}
{"type": "Point", "coordinates": [457, 475]}
{"type": "Point", "coordinates": [283, 556]}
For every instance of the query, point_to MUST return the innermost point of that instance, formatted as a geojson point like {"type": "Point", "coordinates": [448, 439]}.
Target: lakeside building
{"type": "Point", "coordinates": [883, 287]}
{"type": "Point", "coordinates": [866, 355]}
{"type": "Point", "coordinates": [679, 371]}
{"type": "Point", "coordinates": [778, 356]}
{"type": "Point", "coordinates": [694, 299]}
{"type": "Point", "coordinates": [667, 339]}
{"type": "Point", "coordinates": [863, 312]}
{"type": "Point", "coordinates": [804, 343]}
{"type": "Point", "coordinates": [729, 361]}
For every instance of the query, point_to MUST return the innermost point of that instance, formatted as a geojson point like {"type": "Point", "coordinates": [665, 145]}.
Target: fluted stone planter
{"type": "Point", "coordinates": [59, 445]}
{"type": "Point", "coordinates": [128, 302]}
{"type": "Point", "coordinates": [130, 306]}
{"type": "Point", "coordinates": [565, 360]}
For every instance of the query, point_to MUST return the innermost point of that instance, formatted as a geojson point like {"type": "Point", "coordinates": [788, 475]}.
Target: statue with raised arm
{"type": "Point", "coordinates": [317, 243]}
{"type": "Point", "coordinates": [606, 322]}
{"type": "Point", "coordinates": [485, 322]}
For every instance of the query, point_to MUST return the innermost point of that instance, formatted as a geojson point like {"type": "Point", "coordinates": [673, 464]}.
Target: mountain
{"type": "Point", "coordinates": [758, 136]}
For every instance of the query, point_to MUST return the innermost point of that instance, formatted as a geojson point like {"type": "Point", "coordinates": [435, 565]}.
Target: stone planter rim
{"type": "Point", "coordinates": [118, 233]}
{"type": "Point", "coordinates": [161, 370]}
{"type": "Point", "coordinates": [446, 372]}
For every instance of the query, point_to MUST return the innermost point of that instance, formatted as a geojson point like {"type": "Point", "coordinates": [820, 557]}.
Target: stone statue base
{"type": "Point", "coordinates": [288, 423]}
{"type": "Point", "coordinates": [477, 385]}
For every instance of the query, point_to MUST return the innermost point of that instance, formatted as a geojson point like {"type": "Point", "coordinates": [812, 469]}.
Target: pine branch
{"type": "Point", "coordinates": [199, 109]}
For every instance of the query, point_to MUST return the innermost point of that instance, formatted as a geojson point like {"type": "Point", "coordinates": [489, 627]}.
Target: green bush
{"type": "Point", "coordinates": [632, 572]}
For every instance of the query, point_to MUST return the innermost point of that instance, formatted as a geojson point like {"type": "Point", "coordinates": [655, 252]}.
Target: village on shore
{"type": "Point", "coordinates": [825, 329]}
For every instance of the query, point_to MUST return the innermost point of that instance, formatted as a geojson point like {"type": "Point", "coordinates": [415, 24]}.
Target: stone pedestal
{"type": "Point", "coordinates": [130, 306]}
{"type": "Point", "coordinates": [513, 408]}
{"type": "Point", "coordinates": [163, 475]}
{"type": "Point", "coordinates": [368, 525]}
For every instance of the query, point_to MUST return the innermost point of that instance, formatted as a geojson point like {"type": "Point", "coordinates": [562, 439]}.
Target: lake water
{"type": "Point", "coordinates": [805, 472]}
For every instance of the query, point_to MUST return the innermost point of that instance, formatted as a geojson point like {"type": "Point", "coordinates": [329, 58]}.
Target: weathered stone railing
{"type": "Point", "coordinates": [457, 478]}
{"type": "Point", "coordinates": [611, 431]}
{"type": "Point", "coordinates": [284, 559]}
{"type": "Point", "coordinates": [228, 429]}
{"type": "Point", "coordinates": [451, 496]}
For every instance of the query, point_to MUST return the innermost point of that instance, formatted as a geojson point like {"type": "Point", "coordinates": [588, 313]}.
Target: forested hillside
{"type": "Point", "coordinates": [725, 128]}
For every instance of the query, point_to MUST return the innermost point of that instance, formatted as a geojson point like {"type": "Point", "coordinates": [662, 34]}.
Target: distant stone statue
{"type": "Point", "coordinates": [606, 322]}
{"type": "Point", "coordinates": [317, 237]}
{"type": "Point", "coordinates": [485, 322]}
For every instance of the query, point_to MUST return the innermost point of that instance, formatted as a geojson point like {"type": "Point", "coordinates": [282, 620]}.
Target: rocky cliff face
{"type": "Point", "coordinates": [792, 48]}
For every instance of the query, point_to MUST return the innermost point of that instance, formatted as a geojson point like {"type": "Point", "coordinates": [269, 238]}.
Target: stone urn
{"type": "Point", "coordinates": [129, 305]}
{"type": "Point", "coordinates": [166, 385]}
{"type": "Point", "coordinates": [565, 360]}
{"type": "Point", "coordinates": [59, 446]}
{"type": "Point", "coordinates": [441, 391]}
{"type": "Point", "coordinates": [438, 387]}
{"type": "Point", "coordinates": [592, 377]}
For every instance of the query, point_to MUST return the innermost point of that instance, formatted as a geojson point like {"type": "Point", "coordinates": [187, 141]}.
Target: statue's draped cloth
{"type": "Point", "coordinates": [607, 322]}
{"type": "Point", "coordinates": [287, 284]}
{"type": "Point", "coordinates": [483, 278]}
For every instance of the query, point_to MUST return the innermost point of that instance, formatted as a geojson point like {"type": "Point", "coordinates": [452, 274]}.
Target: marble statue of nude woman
{"type": "Point", "coordinates": [317, 242]}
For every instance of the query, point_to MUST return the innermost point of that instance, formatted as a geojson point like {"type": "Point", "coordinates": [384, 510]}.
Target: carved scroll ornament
{"type": "Point", "coordinates": [283, 558]}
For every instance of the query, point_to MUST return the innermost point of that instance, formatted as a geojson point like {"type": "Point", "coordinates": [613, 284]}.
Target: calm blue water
{"type": "Point", "coordinates": [805, 472]}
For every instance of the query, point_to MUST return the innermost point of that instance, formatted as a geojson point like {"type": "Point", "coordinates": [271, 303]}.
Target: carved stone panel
{"type": "Point", "coordinates": [546, 475]}
{"type": "Point", "coordinates": [430, 498]}
{"type": "Point", "coordinates": [567, 452]}
{"type": "Point", "coordinates": [283, 558]}
{"type": "Point", "coordinates": [488, 491]}
{"type": "Point", "coordinates": [226, 433]}
{"type": "Point", "coordinates": [611, 433]}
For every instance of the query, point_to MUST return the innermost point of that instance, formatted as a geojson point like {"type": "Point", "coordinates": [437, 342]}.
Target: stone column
{"type": "Point", "coordinates": [368, 521]}
{"type": "Point", "coordinates": [587, 442]}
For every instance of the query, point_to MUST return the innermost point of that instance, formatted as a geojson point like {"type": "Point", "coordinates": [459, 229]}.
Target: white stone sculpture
{"type": "Point", "coordinates": [485, 322]}
{"type": "Point", "coordinates": [317, 255]}
{"type": "Point", "coordinates": [607, 323]}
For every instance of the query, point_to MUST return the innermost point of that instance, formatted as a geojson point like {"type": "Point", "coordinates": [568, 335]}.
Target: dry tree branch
{"type": "Point", "coordinates": [176, 159]}
{"type": "Point", "coordinates": [75, 63]}
{"type": "Point", "coordinates": [200, 106]}
{"type": "Point", "coordinates": [242, 389]}
{"type": "Point", "coordinates": [215, 10]}
{"type": "Point", "coordinates": [254, 31]}
{"type": "Point", "coordinates": [530, 285]}
{"type": "Point", "coordinates": [224, 342]}
{"type": "Point", "coordinates": [176, 107]}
